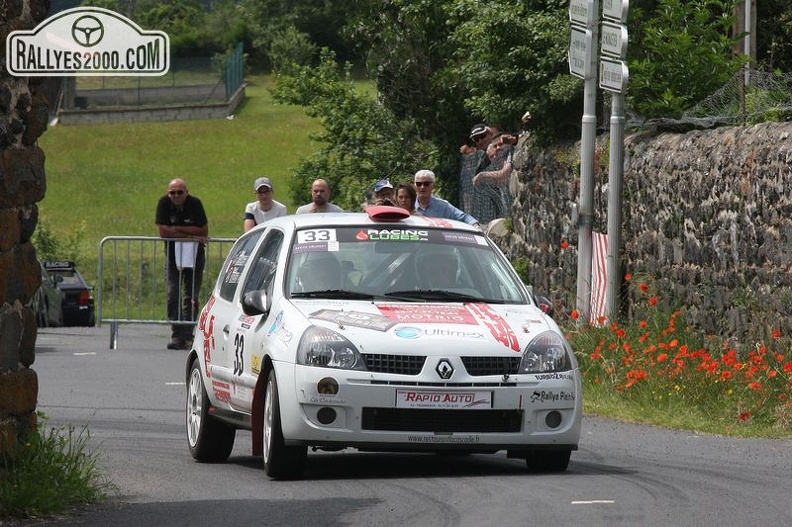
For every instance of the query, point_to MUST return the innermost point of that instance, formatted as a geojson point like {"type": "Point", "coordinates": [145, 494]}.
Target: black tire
{"type": "Point", "coordinates": [210, 441]}
{"type": "Point", "coordinates": [280, 461]}
{"type": "Point", "coordinates": [548, 460]}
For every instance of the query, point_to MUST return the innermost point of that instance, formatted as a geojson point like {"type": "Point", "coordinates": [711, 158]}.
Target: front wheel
{"type": "Point", "coordinates": [209, 440]}
{"type": "Point", "coordinates": [548, 460]}
{"type": "Point", "coordinates": [280, 461]}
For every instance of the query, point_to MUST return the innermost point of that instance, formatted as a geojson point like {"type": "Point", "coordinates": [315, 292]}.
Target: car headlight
{"type": "Point", "coordinates": [548, 352]}
{"type": "Point", "coordinates": [326, 348]}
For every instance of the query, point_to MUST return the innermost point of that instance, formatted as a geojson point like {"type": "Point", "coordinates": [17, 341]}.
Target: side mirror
{"type": "Point", "coordinates": [545, 305]}
{"type": "Point", "coordinates": [256, 303]}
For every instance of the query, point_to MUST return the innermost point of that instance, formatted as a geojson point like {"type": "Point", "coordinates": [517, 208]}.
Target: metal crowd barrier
{"type": "Point", "coordinates": [133, 280]}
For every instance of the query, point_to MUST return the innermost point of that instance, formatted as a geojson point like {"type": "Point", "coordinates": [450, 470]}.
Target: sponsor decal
{"type": "Point", "coordinates": [445, 400]}
{"type": "Point", "coordinates": [255, 364]}
{"type": "Point", "coordinates": [87, 41]}
{"type": "Point", "coordinates": [462, 237]}
{"type": "Point", "coordinates": [206, 327]}
{"type": "Point", "coordinates": [542, 396]}
{"type": "Point", "coordinates": [246, 321]}
{"type": "Point", "coordinates": [555, 376]}
{"type": "Point", "coordinates": [427, 313]}
{"type": "Point", "coordinates": [279, 330]}
{"type": "Point", "coordinates": [446, 439]}
{"type": "Point", "coordinates": [409, 332]}
{"type": "Point", "coordinates": [315, 247]}
{"type": "Point", "coordinates": [497, 326]}
{"type": "Point", "coordinates": [222, 391]}
{"type": "Point", "coordinates": [355, 319]}
{"type": "Point", "coordinates": [325, 399]}
{"type": "Point", "coordinates": [395, 235]}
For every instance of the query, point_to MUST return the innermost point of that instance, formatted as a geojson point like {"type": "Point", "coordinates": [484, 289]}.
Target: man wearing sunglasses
{"type": "Point", "coordinates": [429, 205]}
{"type": "Point", "coordinates": [180, 215]}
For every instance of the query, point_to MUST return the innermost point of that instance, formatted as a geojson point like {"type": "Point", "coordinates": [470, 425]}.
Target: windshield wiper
{"type": "Point", "coordinates": [432, 294]}
{"type": "Point", "coordinates": [333, 293]}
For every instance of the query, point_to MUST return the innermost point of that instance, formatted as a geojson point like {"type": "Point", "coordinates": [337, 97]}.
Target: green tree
{"type": "Point", "coordinates": [363, 141]}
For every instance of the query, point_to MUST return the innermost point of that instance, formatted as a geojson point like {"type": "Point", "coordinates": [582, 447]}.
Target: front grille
{"type": "Point", "coordinates": [417, 420]}
{"type": "Point", "coordinates": [399, 364]}
{"type": "Point", "coordinates": [480, 366]}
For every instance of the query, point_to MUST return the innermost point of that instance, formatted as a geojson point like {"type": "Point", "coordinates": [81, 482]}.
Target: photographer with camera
{"type": "Point", "coordinates": [383, 193]}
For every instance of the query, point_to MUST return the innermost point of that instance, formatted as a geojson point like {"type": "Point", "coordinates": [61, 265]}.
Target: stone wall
{"type": "Point", "coordinates": [23, 117]}
{"type": "Point", "coordinates": [707, 221]}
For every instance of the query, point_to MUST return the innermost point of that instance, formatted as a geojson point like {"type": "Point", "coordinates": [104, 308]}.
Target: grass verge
{"type": "Point", "coordinates": [52, 472]}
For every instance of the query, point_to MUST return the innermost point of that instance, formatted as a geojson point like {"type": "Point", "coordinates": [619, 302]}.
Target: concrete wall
{"type": "Point", "coordinates": [23, 117]}
{"type": "Point", "coordinates": [707, 221]}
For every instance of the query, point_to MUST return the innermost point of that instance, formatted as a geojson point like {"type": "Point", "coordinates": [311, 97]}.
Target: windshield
{"type": "Point", "coordinates": [417, 265]}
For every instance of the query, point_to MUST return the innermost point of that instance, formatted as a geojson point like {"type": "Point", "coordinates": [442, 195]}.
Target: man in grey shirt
{"type": "Point", "coordinates": [320, 191]}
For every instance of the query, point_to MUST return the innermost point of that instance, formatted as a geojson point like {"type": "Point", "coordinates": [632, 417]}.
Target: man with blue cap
{"type": "Point", "coordinates": [383, 192]}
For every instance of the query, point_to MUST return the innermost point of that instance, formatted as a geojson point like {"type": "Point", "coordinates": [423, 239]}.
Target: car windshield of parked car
{"type": "Point", "coordinates": [410, 264]}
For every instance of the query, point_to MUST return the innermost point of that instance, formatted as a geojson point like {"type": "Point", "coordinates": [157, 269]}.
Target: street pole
{"type": "Point", "coordinates": [615, 204]}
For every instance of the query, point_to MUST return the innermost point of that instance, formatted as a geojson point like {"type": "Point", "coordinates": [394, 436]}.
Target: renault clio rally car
{"type": "Point", "coordinates": [378, 331]}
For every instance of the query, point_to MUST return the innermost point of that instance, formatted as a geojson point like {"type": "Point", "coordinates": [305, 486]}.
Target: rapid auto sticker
{"type": "Point", "coordinates": [355, 319]}
{"type": "Point", "coordinates": [458, 238]}
{"type": "Point", "coordinates": [206, 327]}
{"type": "Point", "coordinates": [222, 391]}
{"type": "Point", "coordinates": [498, 327]}
{"type": "Point", "coordinates": [427, 313]}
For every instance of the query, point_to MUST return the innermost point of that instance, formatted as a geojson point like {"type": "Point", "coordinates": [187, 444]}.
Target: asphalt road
{"type": "Point", "coordinates": [131, 400]}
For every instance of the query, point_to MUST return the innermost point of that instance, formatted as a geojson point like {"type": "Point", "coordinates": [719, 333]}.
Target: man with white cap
{"type": "Point", "coordinates": [429, 205]}
{"type": "Point", "coordinates": [265, 208]}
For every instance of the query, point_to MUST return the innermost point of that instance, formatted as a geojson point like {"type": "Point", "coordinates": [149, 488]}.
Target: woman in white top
{"type": "Point", "coordinates": [265, 208]}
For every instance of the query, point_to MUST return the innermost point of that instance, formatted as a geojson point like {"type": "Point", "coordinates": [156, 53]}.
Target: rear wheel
{"type": "Point", "coordinates": [280, 461]}
{"type": "Point", "coordinates": [548, 460]}
{"type": "Point", "coordinates": [209, 440]}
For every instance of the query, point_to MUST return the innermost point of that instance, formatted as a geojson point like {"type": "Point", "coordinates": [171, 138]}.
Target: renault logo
{"type": "Point", "coordinates": [444, 369]}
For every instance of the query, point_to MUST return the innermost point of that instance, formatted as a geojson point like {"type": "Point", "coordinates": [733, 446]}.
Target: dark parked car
{"type": "Point", "coordinates": [47, 303]}
{"type": "Point", "coordinates": [78, 302]}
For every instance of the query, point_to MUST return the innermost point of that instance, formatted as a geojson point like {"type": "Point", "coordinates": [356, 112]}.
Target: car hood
{"type": "Point", "coordinates": [470, 326]}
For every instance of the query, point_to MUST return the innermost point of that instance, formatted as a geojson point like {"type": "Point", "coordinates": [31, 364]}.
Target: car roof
{"type": "Point", "coordinates": [352, 219]}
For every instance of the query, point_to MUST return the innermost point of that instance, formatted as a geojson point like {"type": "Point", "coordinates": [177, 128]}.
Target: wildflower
{"type": "Point", "coordinates": [662, 357]}
{"type": "Point", "coordinates": [627, 277]}
{"type": "Point", "coordinates": [653, 301]}
{"type": "Point", "coordinates": [788, 367]}
{"type": "Point", "coordinates": [756, 385]}
{"type": "Point", "coordinates": [644, 287]}
{"type": "Point", "coordinates": [642, 323]}
{"type": "Point", "coordinates": [776, 333]}
{"type": "Point", "coordinates": [744, 415]}
{"type": "Point", "coordinates": [564, 245]}
{"type": "Point", "coordinates": [575, 315]}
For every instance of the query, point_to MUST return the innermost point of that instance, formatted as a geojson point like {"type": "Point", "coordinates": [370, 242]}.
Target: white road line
{"type": "Point", "coordinates": [175, 384]}
{"type": "Point", "coordinates": [593, 502]}
{"type": "Point", "coordinates": [85, 353]}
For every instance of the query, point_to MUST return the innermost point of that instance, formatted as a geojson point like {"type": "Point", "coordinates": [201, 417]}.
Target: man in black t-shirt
{"type": "Point", "coordinates": [180, 215]}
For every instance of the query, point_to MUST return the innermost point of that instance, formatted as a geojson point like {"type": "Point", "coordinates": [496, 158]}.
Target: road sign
{"type": "Point", "coordinates": [582, 12]}
{"type": "Point", "coordinates": [580, 47]}
{"type": "Point", "coordinates": [613, 39]}
{"type": "Point", "coordinates": [615, 10]}
{"type": "Point", "coordinates": [613, 75]}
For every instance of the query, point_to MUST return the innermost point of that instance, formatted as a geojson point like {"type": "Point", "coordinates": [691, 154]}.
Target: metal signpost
{"type": "Point", "coordinates": [613, 78]}
{"type": "Point", "coordinates": [583, 64]}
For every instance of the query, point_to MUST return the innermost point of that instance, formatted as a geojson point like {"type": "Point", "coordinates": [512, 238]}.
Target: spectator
{"type": "Point", "coordinates": [429, 205]}
{"type": "Point", "coordinates": [470, 163]}
{"type": "Point", "coordinates": [265, 208]}
{"type": "Point", "coordinates": [320, 191]}
{"type": "Point", "coordinates": [180, 215]}
{"type": "Point", "coordinates": [383, 192]}
{"type": "Point", "coordinates": [491, 196]}
{"type": "Point", "coordinates": [405, 196]}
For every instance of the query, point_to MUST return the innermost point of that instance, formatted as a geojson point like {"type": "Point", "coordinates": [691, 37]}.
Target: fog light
{"type": "Point", "coordinates": [553, 419]}
{"type": "Point", "coordinates": [326, 415]}
{"type": "Point", "coordinates": [327, 386]}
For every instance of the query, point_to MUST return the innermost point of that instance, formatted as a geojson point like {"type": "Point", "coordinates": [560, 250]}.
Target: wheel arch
{"type": "Point", "coordinates": [257, 410]}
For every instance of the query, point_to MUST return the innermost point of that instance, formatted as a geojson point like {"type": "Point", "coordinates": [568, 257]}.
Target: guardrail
{"type": "Point", "coordinates": [133, 279]}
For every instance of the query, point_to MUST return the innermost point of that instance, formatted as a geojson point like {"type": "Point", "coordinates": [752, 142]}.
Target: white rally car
{"type": "Point", "coordinates": [382, 332]}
